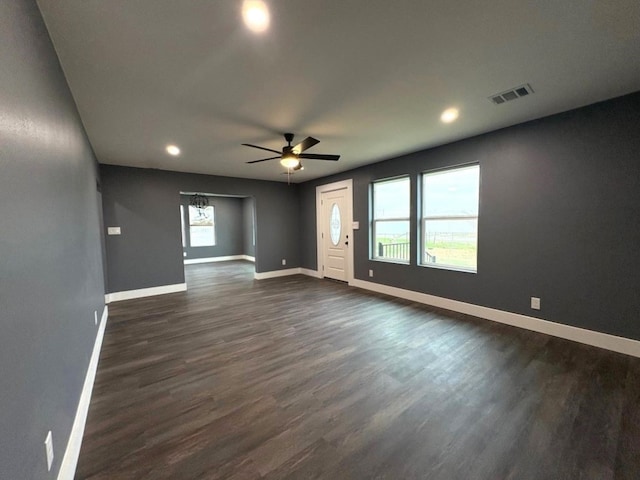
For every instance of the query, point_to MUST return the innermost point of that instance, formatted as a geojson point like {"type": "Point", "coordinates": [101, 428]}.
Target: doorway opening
{"type": "Point", "coordinates": [222, 228]}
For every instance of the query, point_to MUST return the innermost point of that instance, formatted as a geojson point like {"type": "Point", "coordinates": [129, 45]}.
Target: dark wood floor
{"type": "Point", "coordinates": [301, 378]}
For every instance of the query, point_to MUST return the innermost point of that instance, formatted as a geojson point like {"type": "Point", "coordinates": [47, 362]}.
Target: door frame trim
{"type": "Point", "coordinates": [330, 187]}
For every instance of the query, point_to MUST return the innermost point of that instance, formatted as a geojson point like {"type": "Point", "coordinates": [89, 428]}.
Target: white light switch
{"type": "Point", "coordinates": [355, 225]}
{"type": "Point", "coordinates": [113, 231]}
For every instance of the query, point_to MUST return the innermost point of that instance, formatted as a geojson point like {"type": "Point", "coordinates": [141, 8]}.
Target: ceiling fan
{"type": "Point", "coordinates": [291, 155]}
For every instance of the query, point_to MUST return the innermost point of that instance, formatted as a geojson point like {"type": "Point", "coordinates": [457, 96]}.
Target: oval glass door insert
{"type": "Point", "coordinates": [334, 224]}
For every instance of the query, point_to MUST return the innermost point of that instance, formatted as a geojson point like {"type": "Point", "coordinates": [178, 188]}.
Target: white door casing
{"type": "Point", "coordinates": [334, 207]}
{"type": "Point", "coordinates": [334, 239]}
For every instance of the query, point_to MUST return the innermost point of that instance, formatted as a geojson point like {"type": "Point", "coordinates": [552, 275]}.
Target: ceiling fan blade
{"type": "Point", "coordinates": [316, 156]}
{"type": "Point", "coordinates": [263, 160]}
{"type": "Point", "coordinates": [305, 144]}
{"type": "Point", "coordinates": [262, 148]}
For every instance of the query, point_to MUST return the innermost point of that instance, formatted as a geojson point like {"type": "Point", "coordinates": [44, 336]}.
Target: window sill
{"type": "Point", "coordinates": [390, 260]}
{"type": "Point", "coordinates": [447, 267]}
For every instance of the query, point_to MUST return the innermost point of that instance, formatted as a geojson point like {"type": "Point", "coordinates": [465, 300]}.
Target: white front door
{"type": "Point", "coordinates": [335, 234]}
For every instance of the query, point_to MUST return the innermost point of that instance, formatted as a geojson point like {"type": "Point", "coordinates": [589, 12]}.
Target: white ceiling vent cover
{"type": "Point", "coordinates": [511, 94]}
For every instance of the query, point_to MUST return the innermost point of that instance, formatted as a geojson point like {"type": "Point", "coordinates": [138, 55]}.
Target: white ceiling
{"type": "Point", "coordinates": [368, 78]}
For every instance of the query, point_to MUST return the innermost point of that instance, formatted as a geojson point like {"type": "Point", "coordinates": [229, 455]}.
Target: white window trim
{"type": "Point", "coordinates": [373, 246]}
{"type": "Point", "coordinates": [422, 253]}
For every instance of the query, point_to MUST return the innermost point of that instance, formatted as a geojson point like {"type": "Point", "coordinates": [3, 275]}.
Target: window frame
{"type": "Point", "coordinates": [373, 224]}
{"type": "Point", "coordinates": [422, 220]}
{"type": "Point", "coordinates": [182, 227]}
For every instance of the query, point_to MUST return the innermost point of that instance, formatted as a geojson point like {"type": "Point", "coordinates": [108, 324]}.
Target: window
{"type": "Point", "coordinates": [450, 218]}
{"type": "Point", "coordinates": [184, 233]}
{"type": "Point", "coordinates": [202, 231]}
{"type": "Point", "coordinates": [390, 224]}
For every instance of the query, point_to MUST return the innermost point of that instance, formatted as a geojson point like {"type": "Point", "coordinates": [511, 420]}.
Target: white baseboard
{"type": "Point", "coordinates": [71, 454]}
{"type": "Point", "coordinates": [576, 334]}
{"type": "Point", "coordinates": [192, 261]}
{"type": "Point", "coordinates": [145, 292]}
{"type": "Point", "coordinates": [310, 273]}
{"type": "Point", "coordinates": [287, 272]}
{"type": "Point", "coordinates": [568, 332]}
{"type": "Point", "coordinates": [277, 273]}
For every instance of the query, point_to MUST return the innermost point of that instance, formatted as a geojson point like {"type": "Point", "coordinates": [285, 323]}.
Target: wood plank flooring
{"type": "Point", "coordinates": [300, 378]}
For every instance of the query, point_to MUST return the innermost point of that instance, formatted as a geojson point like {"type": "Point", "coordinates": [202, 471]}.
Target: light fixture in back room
{"type": "Point", "coordinates": [199, 201]}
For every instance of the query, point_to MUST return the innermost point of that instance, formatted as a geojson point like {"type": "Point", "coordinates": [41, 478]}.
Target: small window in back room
{"type": "Point", "coordinates": [449, 224]}
{"type": "Point", "coordinates": [202, 226]}
{"type": "Point", "coordinates": [390, 222]}
{"type": "Point", "coordinates": [184, 233]}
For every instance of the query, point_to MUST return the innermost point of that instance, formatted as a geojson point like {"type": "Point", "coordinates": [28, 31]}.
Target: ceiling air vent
{"type": "Point", "coordinates": [512, 94]}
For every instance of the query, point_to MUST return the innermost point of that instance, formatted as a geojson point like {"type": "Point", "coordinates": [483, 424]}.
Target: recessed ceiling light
{"type": "Point", "coordinates": [173, 150]}
{"type": "Point", "coordinates": [256, 15]}
{"type": "Point", "coordinates": [449, 115]}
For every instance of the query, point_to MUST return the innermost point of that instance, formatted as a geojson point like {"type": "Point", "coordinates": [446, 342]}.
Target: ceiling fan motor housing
{"type": "Point", "coordinates": [288, 152]}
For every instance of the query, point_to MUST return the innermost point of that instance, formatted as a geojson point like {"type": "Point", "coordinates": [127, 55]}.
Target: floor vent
{"type": "Point", "coordinates": [512, 94]}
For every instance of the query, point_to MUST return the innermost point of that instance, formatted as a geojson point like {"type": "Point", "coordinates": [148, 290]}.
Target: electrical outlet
{"type": "Point", "coordinates": [48, 446]}
{"type": "Point", "coordinates": [371, 273]}
{"type": "Point", "coordinates": [535, 303]}
{"type": "Point", "coordinates": [284, 261]}
{"type": "Point", "coordinates": [95, 317]}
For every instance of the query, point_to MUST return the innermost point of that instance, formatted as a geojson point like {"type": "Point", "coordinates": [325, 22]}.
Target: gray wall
{"type": "Point", "coordinates": [229, 228]}
{"type": "Point", "coordinates": [50, 261]}
{"type": "Point", "coordinates": [559, 210]}
{"type": "Point", "coordinates": [144, 202]}
{"type": "Point", "coordinates": [248, 225]}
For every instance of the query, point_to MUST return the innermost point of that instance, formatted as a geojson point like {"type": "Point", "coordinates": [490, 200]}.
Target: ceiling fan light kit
{"type": "Point", "coordinates": [291, 155]}
{"type": "Point", "coordinates": [290, 161]}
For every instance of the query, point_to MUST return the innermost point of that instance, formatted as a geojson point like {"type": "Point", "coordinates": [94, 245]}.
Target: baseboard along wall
{"type": "Point", "coordinates": [192, 261]}
{"type": "Point", "coordinates": [72, 452]}
{"type": "Point", "coordinates": [144, 292]}
{"type": "Point", "coordinates": [606, 341]}
{"type": "Point", "coordinates": [277, 273]}
{"type": "Point", "coordinates": [568, 332]}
